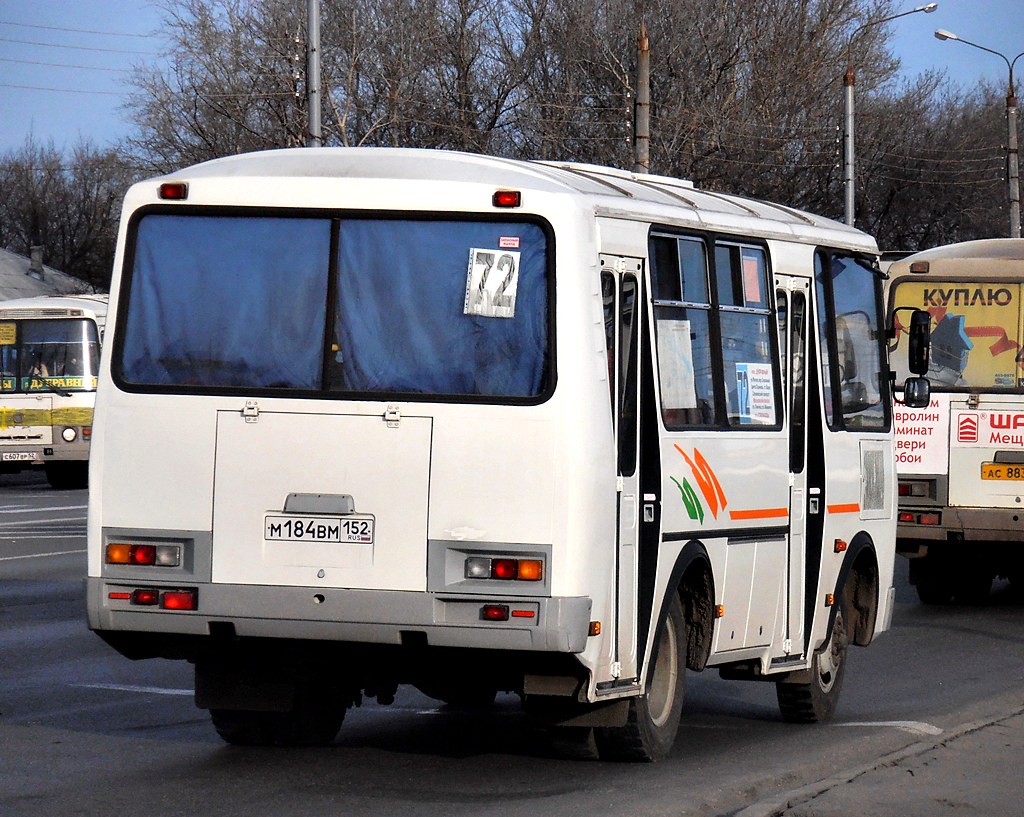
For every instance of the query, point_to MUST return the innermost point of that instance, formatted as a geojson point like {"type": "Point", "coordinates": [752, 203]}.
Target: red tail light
{"type": "Point", "coordinates": [179, 600]}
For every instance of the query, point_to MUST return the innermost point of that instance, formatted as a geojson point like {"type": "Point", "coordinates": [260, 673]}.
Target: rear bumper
{"type": "Point", "coordinates": [558, 624]}
{"type": "Point", "coordinates": [961, 524]}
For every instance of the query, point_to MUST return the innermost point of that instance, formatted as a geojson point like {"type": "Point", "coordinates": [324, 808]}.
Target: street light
{"type": "Point", "coordinates": [1011, 129]}
{"type": "Point", "coordinates": [848, 82]}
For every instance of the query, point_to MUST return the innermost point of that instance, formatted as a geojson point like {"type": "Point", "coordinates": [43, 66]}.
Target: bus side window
{"type": "Point", "coordinates": [748, 366]}
{"type": "Point", "coordinates": [682, 311]}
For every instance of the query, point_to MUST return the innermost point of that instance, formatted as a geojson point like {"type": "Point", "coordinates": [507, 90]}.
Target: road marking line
{"type": "Point", "coordinates": [134, 688]}
{"type": "Point", "coordinates": [31, 536]}
{"type": "Point", "coordinates": [25, 522]}
{"type": "Point", "coordinates": [914, 727]}
{"type": "Point", "coordinates": [24, 509]}
{"type": "Point", "coordinates": [41, 555]}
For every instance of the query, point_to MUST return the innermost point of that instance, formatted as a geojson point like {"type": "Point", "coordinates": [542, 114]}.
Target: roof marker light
{"type": "Point", "coordinates": [175, 191]}
{"type": "Point", "coordinates": [507, 198]}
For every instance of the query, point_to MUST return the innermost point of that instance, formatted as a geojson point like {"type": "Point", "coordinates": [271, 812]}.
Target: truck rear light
{"type": "Point", "coordinates": [168, 555]}
{"type": "Point", "coordinates": [494, 612]}
{"type": "Point", "coordinates": [87, 432]}
{"type": "Point", "coordinates": [179, 600]}
{"type": "Point", "coordinates": [504, 568]}
{"type": "Point", "coordinates": [118, 554]}
{"type": "Point", "coordinates": [915, 487]}
{"type": "Point", "coordinates": [927, 518]}
{"type": "Point", "coordinates": [122, 553]}
{"type": "Point", "coordinates": [143, 554]}
{"type": "Point", "coordinates": [146, 596]}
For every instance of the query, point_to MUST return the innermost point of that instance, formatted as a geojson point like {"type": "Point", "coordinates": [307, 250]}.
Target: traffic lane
{"type": "Point", "coordinates": [41, 530]}
{"type": "Point", "coordinates": [137, 718]}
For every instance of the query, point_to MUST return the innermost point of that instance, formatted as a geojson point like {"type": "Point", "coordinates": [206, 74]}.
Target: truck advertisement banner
{"type": "Point", "coordinates": [976, 332]}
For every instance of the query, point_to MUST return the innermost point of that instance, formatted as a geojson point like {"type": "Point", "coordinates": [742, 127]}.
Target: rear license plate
{"type": "Point", "coordinates": [1002, 470]}
{"type": "Point", "coordinates": [18, 456]}
{"type": "Point", "coordinates": [355, 528]}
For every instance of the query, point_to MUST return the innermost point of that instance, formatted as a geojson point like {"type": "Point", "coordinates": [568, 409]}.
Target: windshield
{"type": "Point", "coordinates": [38, 355]}
{"type": "Point", "coordinates": [345, 306]}
{"type": "Point", "coordinates": [976, 337]}
{"type": "Point", "coordinates": [854, 381]}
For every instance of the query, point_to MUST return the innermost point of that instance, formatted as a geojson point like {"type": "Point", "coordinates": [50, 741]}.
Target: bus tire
{"type": "Point", "coordinates": [63, 476]}
{"type": "Point", "coordinates": [653, 719]}
{"type": "Point", "coordinates": [816, 700]}
{"type": "Point", "coordinates": [314, 721]}
{"type": "Point", "coordinates": [973, 587]}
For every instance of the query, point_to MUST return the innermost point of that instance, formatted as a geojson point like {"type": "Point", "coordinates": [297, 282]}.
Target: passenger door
{"type": "Point", "coordinates": [620, 283]}
{"type": "Point", "coordinates": [792, 301]}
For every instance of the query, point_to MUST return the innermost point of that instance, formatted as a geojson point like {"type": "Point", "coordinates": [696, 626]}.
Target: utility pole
{"type": "Point", "coordinates": [313, 140]}
{"type": "Point", "coordinates": [1011, 159]}
{"type": "Point", "coordinates": [642, 119]}
{"type": "Point", "coordinates": [1011, 128]}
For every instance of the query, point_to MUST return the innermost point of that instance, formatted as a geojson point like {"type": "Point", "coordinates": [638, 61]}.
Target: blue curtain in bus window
{"type": "Point", "coordinates": [441, 307]}
{"type": "Point", "coordinates": [228, 301]}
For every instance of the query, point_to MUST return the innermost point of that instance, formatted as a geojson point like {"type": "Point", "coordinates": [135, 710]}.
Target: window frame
{"type": "Point", "coordinates": [712, 242]}
{"type": "Point", "coordinates": [334, 217]}
{"type": "Point", "coordinates": [835, 418]}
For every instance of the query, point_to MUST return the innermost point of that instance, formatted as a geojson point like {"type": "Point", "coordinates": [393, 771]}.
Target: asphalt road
{"type": "Point", "coordinates": [85, 731]}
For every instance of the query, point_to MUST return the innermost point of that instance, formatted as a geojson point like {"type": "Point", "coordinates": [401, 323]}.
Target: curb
{"type": "Point", "coordinates": [776, 805]}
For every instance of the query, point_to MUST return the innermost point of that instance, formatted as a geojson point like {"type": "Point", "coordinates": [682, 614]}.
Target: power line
{"type": "Point", "coordinates": [59, 90]}
{"type": "Point", "coordinates": [79, 47]}
{"type": "Point", "coordinates": [78, 30]}
{"type": "Point", "coordinates": [65, 65]}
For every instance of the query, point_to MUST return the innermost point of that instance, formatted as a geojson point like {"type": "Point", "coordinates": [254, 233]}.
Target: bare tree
{"type": "Point", "coordinates": [68, 205]}
{"type": "Point", "coordinates": [744, 100]}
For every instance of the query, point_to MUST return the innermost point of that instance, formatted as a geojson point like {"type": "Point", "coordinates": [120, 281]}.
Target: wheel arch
{"type": "Point", "coordinates": [692, 579]}
{"type": "Point", "coordinates": [858, 585]}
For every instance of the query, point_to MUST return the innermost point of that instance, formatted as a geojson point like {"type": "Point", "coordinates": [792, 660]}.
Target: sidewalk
{"type": "Point", "coordinates": [976, 771]}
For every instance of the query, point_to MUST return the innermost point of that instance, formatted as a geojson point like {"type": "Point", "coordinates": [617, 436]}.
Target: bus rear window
{"type": "Point", "coordinates": [348, 307]}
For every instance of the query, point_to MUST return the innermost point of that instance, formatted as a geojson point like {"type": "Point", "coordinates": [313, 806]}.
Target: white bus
{"type": "Point", "coordinates": [480, 425]}
{"type": "Point", "coordinates": [961, 462]}
{"type": "Point", "coordinates": [49, 362]}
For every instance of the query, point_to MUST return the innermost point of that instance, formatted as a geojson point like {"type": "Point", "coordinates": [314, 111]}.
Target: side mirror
{"type": "Point", "coordinates": [920, 342]}
{"type": "Point", "coordinates": [917, 392]}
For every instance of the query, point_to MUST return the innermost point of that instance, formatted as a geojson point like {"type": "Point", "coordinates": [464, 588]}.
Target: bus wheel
{"type": "Point", "coordinates": [653, 719]}
{"type": "Point", "coordinates": [816, 699]}
{"type": "Point", "coordinates": [934, 578]}
{"type": "Point", "coordinates": [314, 721]}
{"type": "Point", "coordinates": [64, 476]}
{"type": "Point", "coordinates": [973, 587]}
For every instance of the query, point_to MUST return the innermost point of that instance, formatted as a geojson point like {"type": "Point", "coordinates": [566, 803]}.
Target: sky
{"type": "Point", "coordinates": [63, 63]}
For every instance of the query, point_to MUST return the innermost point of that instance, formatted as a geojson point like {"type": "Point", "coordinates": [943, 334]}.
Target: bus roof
{"type": "Point", "coordinates": [996, 249]}
{"type": "Point", "coordinates": [54, 306]}
{"type": "Point", "coordinates": [608, 191]}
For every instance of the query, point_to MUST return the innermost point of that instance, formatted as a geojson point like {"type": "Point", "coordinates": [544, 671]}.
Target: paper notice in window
{"type": "Point", "coordinates": [491, 283]}
{"type": "Point", "coordinates": [751, 280]}
{"type": "Point", "coordinates": [755, 393]}
{"type": "Point", "coordinates": [675, 360]}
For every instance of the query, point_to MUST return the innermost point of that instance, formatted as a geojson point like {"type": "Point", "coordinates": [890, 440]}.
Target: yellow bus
{"type": "Point", "coordinates": [49, 362]}
{"type": "Point", "coordinates": [961, 461]}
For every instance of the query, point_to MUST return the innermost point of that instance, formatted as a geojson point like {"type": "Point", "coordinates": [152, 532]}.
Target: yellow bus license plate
{"type": "Point", "coordinates": [1002, 470]}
